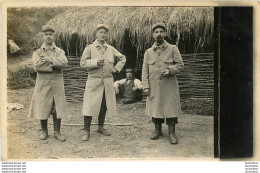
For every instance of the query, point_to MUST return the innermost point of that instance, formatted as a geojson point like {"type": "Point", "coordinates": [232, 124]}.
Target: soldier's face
{"type": "Point", "coordinates": [129, 76]}
{"type": "Point", "coordinates": [102, 34]}
{"type": "Point", "coordinates": [48, 37]}
{"type": "Point", "coordinates": [159, 35]}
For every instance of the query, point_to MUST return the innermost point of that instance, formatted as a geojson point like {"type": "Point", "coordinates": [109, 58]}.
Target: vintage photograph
{"type": "Point", "coordinates": [99, 82]}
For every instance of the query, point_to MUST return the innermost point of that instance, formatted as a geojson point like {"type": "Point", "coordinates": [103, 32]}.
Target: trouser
{"type": "Point", "coordinates": [128, 100]}
{"type": "Point", "coordinates": [169, 121]}
{"type": "Point", "coordinates": [101, 116]}
{"type": "Point", "coordinates": [103, 110]}
{"type": "Point", "coordinates": [56, 121]}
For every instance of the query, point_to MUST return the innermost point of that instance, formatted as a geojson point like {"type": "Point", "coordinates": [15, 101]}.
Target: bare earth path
{"type": "Point", "coordinates": [195, 135]}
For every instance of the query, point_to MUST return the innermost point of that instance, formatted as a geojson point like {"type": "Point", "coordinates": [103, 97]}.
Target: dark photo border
{"type": "Point", "coordinates": [233, 119]}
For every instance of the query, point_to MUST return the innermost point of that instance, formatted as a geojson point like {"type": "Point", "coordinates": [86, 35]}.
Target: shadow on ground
{"type": "Point", "coordinates": [195, 135]}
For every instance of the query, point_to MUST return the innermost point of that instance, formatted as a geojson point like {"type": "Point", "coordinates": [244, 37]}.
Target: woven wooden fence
{"type": "Point", "coordinates": [196, 80]}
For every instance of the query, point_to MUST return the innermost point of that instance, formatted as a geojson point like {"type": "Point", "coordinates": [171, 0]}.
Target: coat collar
{"type": "Point", "coordinates": [45, 47]}
{"type": "Point", "coordinates": [99, 46]}
{"type": "Point", "coordinates": [162, 46]}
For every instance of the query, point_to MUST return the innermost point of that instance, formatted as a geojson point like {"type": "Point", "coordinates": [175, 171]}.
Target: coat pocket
{"type": "Point", "coordinates": [111, 61]}
{"type": "Point", "coordinates": [150, 62]}
{"type": "Point", "coordinates": [151, 67]}
{"type": "Point", "coordinates": [111, 66]}
{"type": "Point", "coordinates": [169, 62]}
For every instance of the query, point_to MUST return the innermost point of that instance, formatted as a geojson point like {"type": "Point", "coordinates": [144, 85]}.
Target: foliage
{"type": "Point", "coordinates": [24, 23]}
{"type": "Point", "coordinates": [21, 78]}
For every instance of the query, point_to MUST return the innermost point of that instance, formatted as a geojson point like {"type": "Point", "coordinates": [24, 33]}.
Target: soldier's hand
{"type": "Point", "coordinates": [134, 88]}
{"type": "Point", "coordinates": [165, 73]}
{"type": "Point", "coordinates": [146, 91]}
{"type": "Point", "coordinates": [114, 71]}
{"type": "Point", "coordinates": [46, 59]}
{"type": "Point", "coordinates": [100, 62]}
{"type": "Point", "coordinates": [41, 59]}
{"type": "Point", "coordinates": [116, 90]}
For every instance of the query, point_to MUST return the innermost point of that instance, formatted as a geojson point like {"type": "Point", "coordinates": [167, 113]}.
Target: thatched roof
{"type": "Point", "coordinates": [182, 22]}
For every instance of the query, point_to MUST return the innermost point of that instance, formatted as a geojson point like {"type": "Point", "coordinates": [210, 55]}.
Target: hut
{"type": "Point", "coordinates": [190, 28]}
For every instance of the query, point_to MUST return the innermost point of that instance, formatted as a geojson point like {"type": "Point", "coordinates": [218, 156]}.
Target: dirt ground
{"type": "Point", "coordinates": [195, 135]}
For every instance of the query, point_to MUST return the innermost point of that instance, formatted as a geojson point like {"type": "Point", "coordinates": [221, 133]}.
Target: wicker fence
{"type": "Point", "coordinates": [196, 80]}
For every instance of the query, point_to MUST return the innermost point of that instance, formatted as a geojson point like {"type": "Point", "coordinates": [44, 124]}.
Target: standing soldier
{"type": "Point", "coordinates": [49, 96]}
{"type": "Point", "coordinates": [98, 58]}
{"type": "Point", "coordinates": [161, 64]}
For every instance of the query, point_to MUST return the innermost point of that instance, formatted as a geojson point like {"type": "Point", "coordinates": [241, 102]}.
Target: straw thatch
{"type": "Point", "coordinates": [190, 28]}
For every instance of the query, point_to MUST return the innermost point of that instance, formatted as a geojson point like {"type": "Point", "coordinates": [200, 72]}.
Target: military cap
{"type": "Point", "coordinates": [102, 26]}
{"type": "Point", "coordinates": [47, 28]}
{"type": "Point", "coordinates": [130, 70]}
{"type": "Point", "coordinates": [159, 25]}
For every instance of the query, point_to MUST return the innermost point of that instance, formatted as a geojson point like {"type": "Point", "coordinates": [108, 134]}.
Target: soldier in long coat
{"type": "Point", "coordinates": [161, 64]}
{"type": "Point", "coordinates": [49, 96]}
{"type": "Point", "coordinates": [99, 97]}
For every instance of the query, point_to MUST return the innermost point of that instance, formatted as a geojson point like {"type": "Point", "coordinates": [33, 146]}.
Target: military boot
{"type": "Point", "coordinates": [103, 131]}
{"type": "Point", "coordinates": [87, 123]}
{"type": "Point", "coordinates": [172, 137]}
{"type": "Point", "coordinates": [157, 132]}
{"type": "Point", "coordinates": [86, 136]}
{"type": "Point", "coordinates": [57, 134]}
{"type": "Point", "coordinates": [44, 133]}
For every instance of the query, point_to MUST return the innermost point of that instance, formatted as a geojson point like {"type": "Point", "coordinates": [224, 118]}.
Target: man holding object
{"type": "Point", "coordinates": [161, 64]}
{"type": "Point", "coordinates": [99, 97]}
{"type": "Point", "coordinates": [49, 95]}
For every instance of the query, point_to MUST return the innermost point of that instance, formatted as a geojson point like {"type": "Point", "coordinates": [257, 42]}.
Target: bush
{"type": "Point", "coordinates": [25, 23]}
{"type": "Point", "coordinates": [198, 106]}
{"type": "Point", "coordinates": [21, 78]}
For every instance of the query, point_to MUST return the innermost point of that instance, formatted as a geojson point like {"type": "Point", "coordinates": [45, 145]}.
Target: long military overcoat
{"type": "Point", "coordinates": [49, 87]}
{"type": "Point", "coordinates": [100, 78]}
{"type": "Point", "coordinates": [164, 98]}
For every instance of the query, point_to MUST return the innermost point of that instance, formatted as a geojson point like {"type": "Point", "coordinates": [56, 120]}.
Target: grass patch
{"type": "Point", "coordinates": [21, 78]}
{"type": "Point", "coordinates": [198, 106]}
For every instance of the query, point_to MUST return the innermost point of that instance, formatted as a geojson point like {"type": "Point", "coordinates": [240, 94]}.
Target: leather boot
{"type": "Point", "coordinates": [157, 132]}
{"type": "Point", "coordinates": [44, 133]}
{"type": "Point", "coordinates": [172, 137]}
{"type": "Point", "coordinates": [57, 134]}
{"type": "Point", "coordinates": [103, 131]}
{"type": "Point", "coordinates": [87, 123]}
{"type": "Point", "coordinates": [86, 136]}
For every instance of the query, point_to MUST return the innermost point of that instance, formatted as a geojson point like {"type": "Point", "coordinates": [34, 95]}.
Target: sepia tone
{"type": "Point", "coordinates": [189, 28]}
